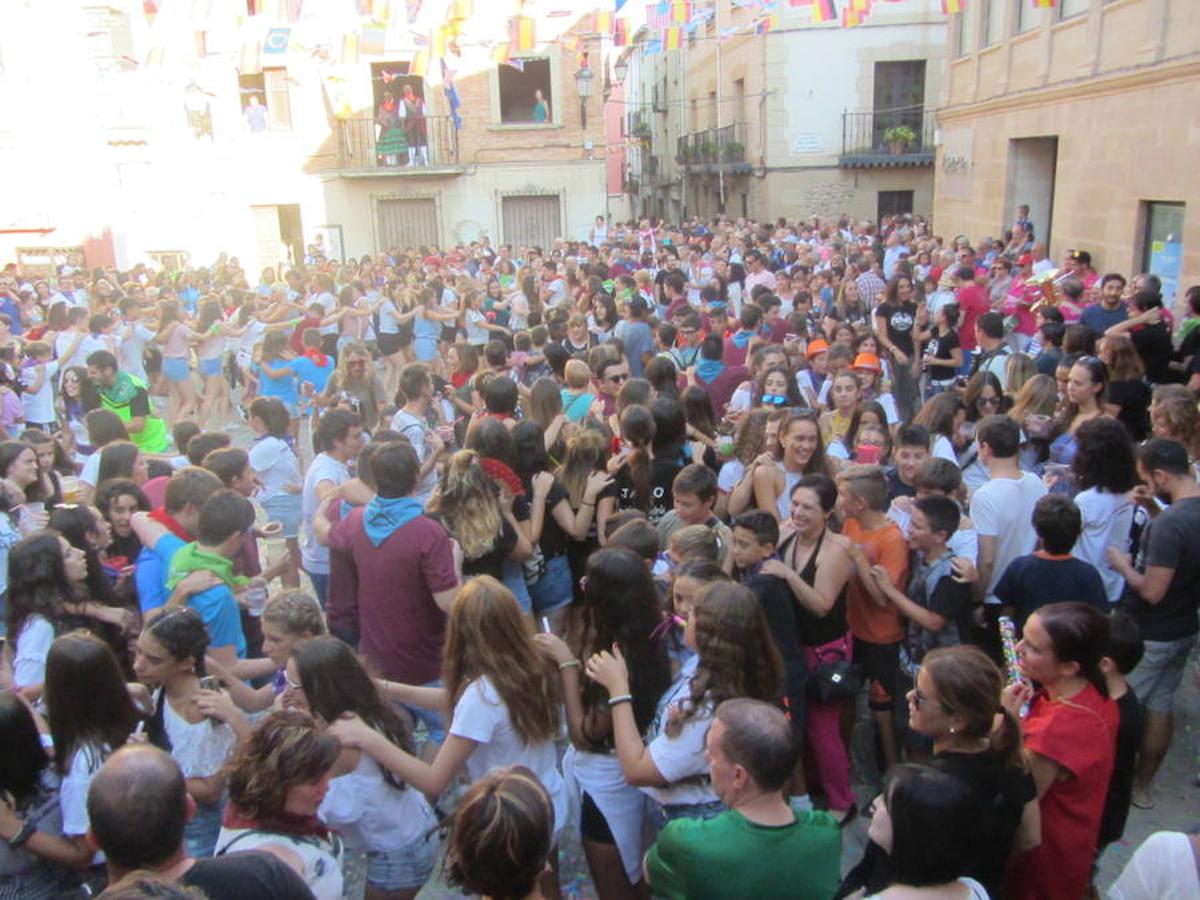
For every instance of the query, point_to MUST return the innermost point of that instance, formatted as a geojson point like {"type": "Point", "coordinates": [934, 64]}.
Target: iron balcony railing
{"type": "Point", "coordinates": [888, 137]}
{"type": "Point", "coordinates": [363, 145]}
{"type": "Point", "coordinates": [714, 147]}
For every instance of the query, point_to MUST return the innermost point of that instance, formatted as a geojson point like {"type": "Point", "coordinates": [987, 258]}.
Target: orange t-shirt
{"type": "Point", "coordinates": [885, 546]}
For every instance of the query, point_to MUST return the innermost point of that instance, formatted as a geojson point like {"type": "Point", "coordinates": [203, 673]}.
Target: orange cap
{"type": "Point", "coordinates": [867, 361]}
{"type": "Point", "coordinates": [815, 347]}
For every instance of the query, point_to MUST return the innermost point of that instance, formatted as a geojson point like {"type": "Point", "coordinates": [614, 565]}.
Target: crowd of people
{"type": "Point", "coordinates": [466, 554]}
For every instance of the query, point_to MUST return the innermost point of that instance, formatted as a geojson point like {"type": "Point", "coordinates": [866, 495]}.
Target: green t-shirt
{"type": "Point", "coordinates": [729, 857]}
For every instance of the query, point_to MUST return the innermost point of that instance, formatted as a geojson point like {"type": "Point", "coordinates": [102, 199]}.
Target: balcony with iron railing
{"type": "Point", "coordinates": [714, 150]}
{"type": "Point", "coordinates": [365, 150]}
{"type": "Point", "coordinates": [887, 138]}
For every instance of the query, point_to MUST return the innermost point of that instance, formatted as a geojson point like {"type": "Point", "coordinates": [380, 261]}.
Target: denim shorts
{"type": "Point", "coordinates": [405, 868]}
{"type": "Point", "coordinates": [201, 833]}
{"type": "Point", "coordinates": [553, 590]}
{"type": "Point", "coordinates": [435, 727]}
{"type": "Point", "coordinates": [176, 368]}
{"type": "Point", "coordinates": [285, 509]}
{"type": "Point", "coordinates": [514, 580]}
{"type": "Point", "coordinates": [210, 367]}
{"type": "Point", "coordinates": [1160, 672]}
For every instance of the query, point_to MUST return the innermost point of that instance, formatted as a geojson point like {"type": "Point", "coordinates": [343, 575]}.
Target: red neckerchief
{"type": "Point", "coordinates": [164, 518]}
{"type": "Point", "coordinates": [319, 359]}
{"type": "Point", "coordinates": [284, 823]}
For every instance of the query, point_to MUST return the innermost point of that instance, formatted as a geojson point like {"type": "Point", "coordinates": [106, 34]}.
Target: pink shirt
{"type": "Point", "coordinates": [176, 344]}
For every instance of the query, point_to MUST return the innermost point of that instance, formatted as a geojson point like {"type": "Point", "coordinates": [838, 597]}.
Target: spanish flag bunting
{"type": "Point", "coordinates": [862, 6]}
{"type": "Point", "coordinates": [1043, 4]}
{"type": "Point", "coordinates": [850, 16]}
{"type": "Point", "coordinates": [522, 33]}
{"type": "Point", "coordinates": [501, 52]}
{"type": "Point", "coordinates": [681, 12]}
{"type": "Point", "coordinates": [671, 37]}
{"type": "Point", "coordinates": [621, 33]}
{"type": "Point", "coordinates": [420, 64]}
{"type": "Point", "coordinates": [949, 7]}
{"type": "Point", "coordinates": [823, 11]}
{"type": "Point", "coordinates": [603, 23]}
{"type": "Point", "coordinates": [349, 47]}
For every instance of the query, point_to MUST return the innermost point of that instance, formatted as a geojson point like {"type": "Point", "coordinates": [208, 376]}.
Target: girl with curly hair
{"type": "Point", "coordinates": [735, 657]}
{"type": "Point", "coordinates": [502, 698]}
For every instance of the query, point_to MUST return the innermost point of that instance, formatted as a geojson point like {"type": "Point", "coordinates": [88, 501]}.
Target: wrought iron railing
{"type": "Point", "coordinates": [891, 132]}
{"type": "Point", "coordinates": [716, 146]}
{"type": "Point", "coordinates": [364, 145]}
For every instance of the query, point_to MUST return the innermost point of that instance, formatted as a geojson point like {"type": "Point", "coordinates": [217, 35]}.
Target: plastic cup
{"type": "Point", "coordinates": [255, 597]}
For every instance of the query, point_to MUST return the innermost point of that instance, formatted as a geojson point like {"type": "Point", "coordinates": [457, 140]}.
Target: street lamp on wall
{"type": "Point", "coordinates": [583, 85]}
{"type": "Point", "coordinates": [621, 69]}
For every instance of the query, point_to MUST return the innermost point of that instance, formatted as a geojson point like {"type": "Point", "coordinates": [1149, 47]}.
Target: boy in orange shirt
{"type": "Point", "coordinates": [875, 623]}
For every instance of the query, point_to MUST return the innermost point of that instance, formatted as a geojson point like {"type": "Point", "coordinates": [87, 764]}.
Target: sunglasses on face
{"type": "Point", "coordinates": [987, 401]}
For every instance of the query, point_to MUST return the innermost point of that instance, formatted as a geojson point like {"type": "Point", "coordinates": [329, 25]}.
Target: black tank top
{"type": "Point", "coordinates": [814, 631]}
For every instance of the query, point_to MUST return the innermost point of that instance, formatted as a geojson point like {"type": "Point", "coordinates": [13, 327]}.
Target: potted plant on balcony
{"type": "Point", "coordinates": [734, 151]}
{"type": "Point", "coordinates": [899, 138]}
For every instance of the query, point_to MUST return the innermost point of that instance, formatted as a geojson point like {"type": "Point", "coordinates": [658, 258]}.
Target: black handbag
{"type": "Point", "coordinates": [835, 679]}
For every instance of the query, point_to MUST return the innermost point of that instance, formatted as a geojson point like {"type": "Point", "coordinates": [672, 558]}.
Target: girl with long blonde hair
{"type": "Point", "coordinates": [478, 515]}
{"type": "Point", "coordinates": [503, 701]}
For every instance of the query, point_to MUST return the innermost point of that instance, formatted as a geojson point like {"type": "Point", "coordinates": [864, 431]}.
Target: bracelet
{"type": "Point", "coordinates": [621, 698]}
{"type": "Point", "coordinates": [18, 840]}
{"type": "Point", "coordinates": [569, 664]}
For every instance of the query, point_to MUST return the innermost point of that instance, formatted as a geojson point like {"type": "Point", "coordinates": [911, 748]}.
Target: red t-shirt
{"type": "Point", "coordinates": [400, 628]}
{"type": "Point", "coordinates": [972, 303]}
{"type": "Point", "coordinates": [1080, 734]}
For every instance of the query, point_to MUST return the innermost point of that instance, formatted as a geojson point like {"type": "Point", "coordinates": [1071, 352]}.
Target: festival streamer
{"type": "Point", "coordinates": [823, 11]}
{"type": "Point", "coordinates": [522, 33]}
{"type": "Point", "coordinates": [672, 38]}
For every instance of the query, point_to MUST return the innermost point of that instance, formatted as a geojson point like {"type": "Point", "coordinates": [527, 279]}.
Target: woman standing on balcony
{"type": "Point", "coordinates": [392, 142]}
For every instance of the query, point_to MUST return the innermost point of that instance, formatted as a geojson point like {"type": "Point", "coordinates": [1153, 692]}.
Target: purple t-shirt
{"type": "Point", "coordinates": [400, 629]}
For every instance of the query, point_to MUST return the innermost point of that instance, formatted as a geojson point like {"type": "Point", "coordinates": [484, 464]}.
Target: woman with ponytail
{"type": "Point", "coordinates": [1070, 734]}
{"type": "Point", "coordinates": [198, 727]}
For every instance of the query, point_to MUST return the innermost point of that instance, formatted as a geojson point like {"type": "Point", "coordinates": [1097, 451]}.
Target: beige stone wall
{"type": "Point", "coordinates": [1119, 86]}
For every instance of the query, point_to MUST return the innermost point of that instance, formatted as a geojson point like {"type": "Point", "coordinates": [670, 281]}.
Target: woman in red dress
{"type": "Point", "coordinates": [1070, 734]}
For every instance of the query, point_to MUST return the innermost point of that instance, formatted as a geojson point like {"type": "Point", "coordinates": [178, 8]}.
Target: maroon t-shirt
{"type": "Point", "coordinates": [723, 386]}
{"type": "Point", "coordinates": [401, 629]}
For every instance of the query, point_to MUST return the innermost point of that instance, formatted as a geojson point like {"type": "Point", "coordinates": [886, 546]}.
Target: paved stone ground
{"type": "Point", "coordinates": [1176, 795]}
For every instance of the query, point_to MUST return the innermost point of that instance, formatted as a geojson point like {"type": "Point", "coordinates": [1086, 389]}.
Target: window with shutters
{"type": "Point", "coordinates": [265, 100]}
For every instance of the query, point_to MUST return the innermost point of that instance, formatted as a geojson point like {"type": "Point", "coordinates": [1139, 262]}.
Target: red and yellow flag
{"type": "Point", "coordinates": [672, 37]}
{"type": "Point", "coordinates": [603, 23]}
{"type": "Point", "coordinates": [823, 11]}
{"type": "Point", "coordinates": [1043, 4]}
{"type": "Point", "coordinates": [502, 53]}
{"type": "Point", "coordinates": [950, 7]}
{"type": "Point", "coordinates": [522, 33]}
{"type": "Point", "coordinates": [569, 41]}
{"type": "Point", "coordinates": [681, 11]}
{"type": "Point", "coordinates": [621, 33]}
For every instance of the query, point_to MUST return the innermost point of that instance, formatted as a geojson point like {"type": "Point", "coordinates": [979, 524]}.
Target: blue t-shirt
{"type": "Point", "coordinates": [308, 371]}
{"type": "Point", "coordinates": [1030, 582]}
{"type": "Point", "coordinates": [284, 387]}
{"type": "Point", "coordinates": [217, 606]}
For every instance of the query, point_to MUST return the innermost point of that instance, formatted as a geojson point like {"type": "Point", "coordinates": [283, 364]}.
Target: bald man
{"type": "Point", "coordinates": [138, 805]}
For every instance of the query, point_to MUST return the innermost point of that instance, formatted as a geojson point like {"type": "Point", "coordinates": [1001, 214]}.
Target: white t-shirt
{"type": "Point", "coordinates": [680, 759]}
{"type": "Point", "coordinates": [134, 338]}
{"type": "Point", "coordinates": [324, 468]}
{"type": "Point", "coordinates": [481, 716]}
{"type": "Point", "coordinates": [72, 796]}
{"type": "Point", "coordinates": [29, 656]}
{"type": "Point", "coordinates": [86, 348]}
{"type": "Point", "coordinates": [39, 405]}
{"type": "Point", "coordinates": [476, 335]}
{"type": "Point", "coordinates": [372, 814]}
{"type": "Point", "coordinates": [275, 464]}
{"type": "Point", "coordinates": [415, 429]}
{"type": "Point", "coordinates": [805, 383]}
{"type": "Point", "coordinates": [250, 338]}
{"type": "Point", "coordinates": [328, 304]}
{"type": "Point", "coordinates": [199, 748]}
{"type": "Point", "coordinates": [91, 469]}
{"type": "Point", "coordinates": [731, 473]}
{"type": "Point", "coordinates": [944, 449]}
{"type": "Point", "coordinates": [1107, 519]}
{"type": "Point", "coordinates": [1003, 508]}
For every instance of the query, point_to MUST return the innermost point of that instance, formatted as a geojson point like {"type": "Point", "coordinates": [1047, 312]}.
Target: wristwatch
{"type": "Point", "coordinates": [18, 840]}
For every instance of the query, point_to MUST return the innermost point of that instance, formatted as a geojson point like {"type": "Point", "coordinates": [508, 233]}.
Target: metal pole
{"type": "Point", "coordinates": [720, 170]}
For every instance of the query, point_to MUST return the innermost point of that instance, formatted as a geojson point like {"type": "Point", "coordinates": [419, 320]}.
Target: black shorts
{"type": "Point", "coordinates": [389, 344]}
{"type": "Point", "coordinates": [881, 665]}
{"type": "Point", "coordinates": [449, 334]}
{"type": "Point", "coordinates": [592, 824]}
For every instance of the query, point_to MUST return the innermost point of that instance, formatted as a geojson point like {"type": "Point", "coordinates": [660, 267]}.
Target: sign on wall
{"type": "Point", "coordinates": [957, 163]}
{"type": "Point", "coordinates": [807, 142]}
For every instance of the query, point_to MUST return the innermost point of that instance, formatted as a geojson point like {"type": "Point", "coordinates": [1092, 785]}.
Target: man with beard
{"type": "Point", "coordinates": [1163, 597]}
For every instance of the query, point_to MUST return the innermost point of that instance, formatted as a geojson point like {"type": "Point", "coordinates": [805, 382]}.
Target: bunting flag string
{"type": "Point", "coordinates": [672, 37]}
{"type": "Point", "coordinates": [1043, 4]}
{"type": "Point", "coordinates": [822, 11]}
{"type": "Point", "coordinates": [621, 33]}
{"type": "Point", "coordinates": [602, 23]}
{"type": "Point", "coordinates": [950, 7]}
{"type": "Point", "coordinates": [522, 33]}
{"type": "Point", "coordinates": [765, 24]}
